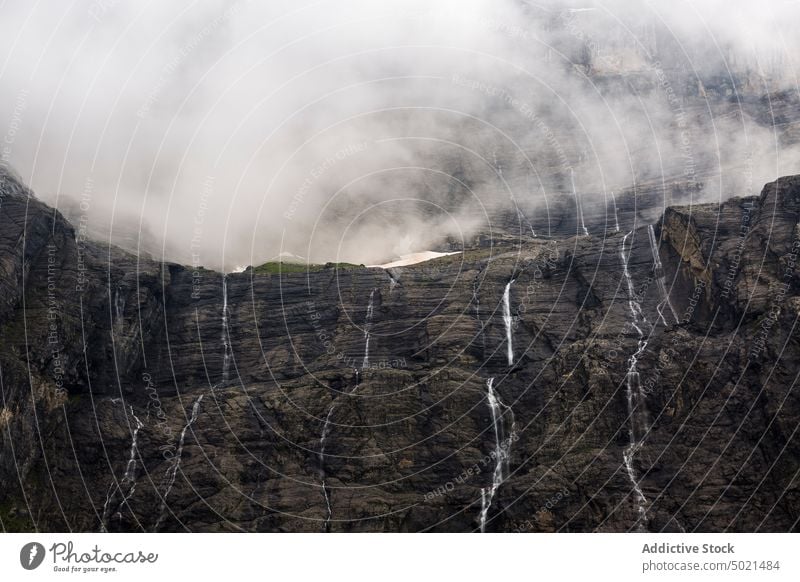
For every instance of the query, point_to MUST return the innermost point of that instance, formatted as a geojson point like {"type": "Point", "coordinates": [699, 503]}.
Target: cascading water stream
{"type": "Point", "coordinates": [129, 477]}
{"type": "Point", "coordinates": [658, 269]}
{"type": "Point", "coordinates": [226, 337]}
{"type": "Point", "coordinates": [172, 470]}
{"type": "Point", "coordinates": [476, 300]}
{"type": "Point", "coordinates": [326, 426]}
{"type": "Point", "coordinates": [106, 508]}
{"type": "Point", "coordinates": [502, 449]}
{"type": "Point", "coordinates": [637, 423]}
{"type": "Point", "coordinates": [637, 315]}
{"type": "Point", "coordinates": [496, 163]}
{"type": "Point", "coordinates": [367, 322]}
{"type": "Point", "coordinates": [393, 282]}
{"type": "Point", "coordinates": [507, 321]}
{"type": "Point", "coordinates": [127, 485]}
{"type": "Point", "coordinates": [635, 401]}
{"type": "Point", "coordinates": [521, 216]}
{"type": "Point", "coordinates": [578, 203]}
{"type": "Point", "coordinates": [119, 309]}
{"type": "Point", "coordinates": [322, 442]}
{"type": "Point", "coordinates": [616, 218]}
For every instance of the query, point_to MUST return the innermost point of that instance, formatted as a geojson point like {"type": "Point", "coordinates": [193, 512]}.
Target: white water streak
{"type": "Point", "coordinates": [226, 336]}
{"type": "Point", "coordinates": [172, 470]}
{"type": "Point", "coordinates": [502, 449]}
{"type": "Point", "coordinates": [127, 485]}
{"type": "Point", "coordinates": [578, 202]}
{"type": "Point", "coordinates": [326, 427]}
{"type": "Point", "coordinates": [637, 316]}
{"type": "Point", "coordinates": [507, 320]}
{"type": "Point", "coordinates": [616, 218]}
{"type": "Point", "coordinates": [521, 215]}
{"type": "Point", "coordinates": [633, 392]}
{"type": "Point", "coordinates": [119, 309]}
{"type": "Point", "coordinates": [322, 442]}
{"type": "Point", "coordinates": [367, 322]}
{"type": "Point", "coordinates": [497, 165]}
{"type": "Point", "coordinates": [129, 478]}
{"type": "Point", "coordinates": [392, 281]}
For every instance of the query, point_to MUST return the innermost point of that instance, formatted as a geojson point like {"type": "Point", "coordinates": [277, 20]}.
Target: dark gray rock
{"type": "Point", "coordinates": [141, 354]}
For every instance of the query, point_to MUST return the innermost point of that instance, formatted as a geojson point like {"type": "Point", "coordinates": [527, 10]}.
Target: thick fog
{"type": "Point", "coordinates": [225, 133]}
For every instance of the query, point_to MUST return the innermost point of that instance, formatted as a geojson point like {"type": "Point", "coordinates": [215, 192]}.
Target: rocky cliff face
{"type": "Point", "coordinates": [641, 380]}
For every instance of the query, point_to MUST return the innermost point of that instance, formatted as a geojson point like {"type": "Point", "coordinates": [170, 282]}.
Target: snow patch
{"type": "Point", "coordinates": [413, 259]}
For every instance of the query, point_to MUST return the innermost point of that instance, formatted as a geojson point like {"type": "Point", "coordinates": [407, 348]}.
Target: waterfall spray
{"type": "Point", "coordinates": [119, 309]}
{"type": "Point", "coordinates": [326, 426]}
{"type": "Point", "coordinates": [616, 218]}
{"type": "Point", "coordinates": [521, 216]}
{"type": "Point", "coordinates": [226, 336]}
{"type": "Point", "coordinates": [507, 320]}
{"type": "Point", "coordinates": [578, 202]}
{"type": "Point", "coordinates": [633, 392]}
{"type": "Point", "coordinates": [172, 470]}
{"type": "Point", "coordinates": [501, 452]}
{"type": "Point", "coordinates": [496, 163]}
{"type": "Point", "coordinates": [322, 442]}
{"type": "Point", "coordinates": [127, 485]}
{"type": "Point", "coordinates": [367, 322]}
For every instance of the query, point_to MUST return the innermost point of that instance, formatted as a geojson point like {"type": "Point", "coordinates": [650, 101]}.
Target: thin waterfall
{"type": "Point", "coordinates": [578, 202]}
{"type": "Point", "coordinates": [521, 216]}
{"type": "Point", "coordinates": [637, 315]}
{"type": "Point", "coordinates": [129, 477]}
{"type": "Point", "coordinates": [502, 449]}
{"type": "Point", "coordinates": [119, 308]}
{"type": "Point", "coordinates": [367, 322]}
{"type": "Point", "coordinates": [659, 276]}
{"type": "Point", "coordinates": [326, 426]}
{"type": "Point", "coordinates": [507, 320]}
{"type": "Point", "coordinates": [496, 163]}
{"type": "Point", "coordinates": [127, 485]}
{"type": "Point", "coordinates": [322, 442]}
{"type": "Point", "coordinates": [476, 300]}
{"type": "Point", "coordinates": [172, 470]}
{"type": "Point", "coordinates": [106, 507]}
{"type": "Point", "coordinates": [636, 433]}
{"type": "Point", "coordinates": [637, 423]}
{"type": "Point", "coordinates": [616, 218]}
{"type": "Point", "coordinates": [393, 282]}
{"type": "Point", "coordinates": [226, 336]}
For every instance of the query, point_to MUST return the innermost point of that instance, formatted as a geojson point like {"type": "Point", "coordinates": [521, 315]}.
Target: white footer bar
{"type": "Point", "coordinates": [406, 557]}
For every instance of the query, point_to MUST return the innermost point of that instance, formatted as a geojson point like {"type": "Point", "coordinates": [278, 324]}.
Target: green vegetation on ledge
{"type": "Point", "coordinates": [276, 267]}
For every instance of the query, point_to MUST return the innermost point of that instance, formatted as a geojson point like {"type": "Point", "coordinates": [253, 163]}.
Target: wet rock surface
{"type": "Point", "coordinates": [133, 399]}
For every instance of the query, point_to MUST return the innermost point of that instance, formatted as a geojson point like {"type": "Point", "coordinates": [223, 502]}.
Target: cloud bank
{"type": "Point", "coordinates": [225, 133]}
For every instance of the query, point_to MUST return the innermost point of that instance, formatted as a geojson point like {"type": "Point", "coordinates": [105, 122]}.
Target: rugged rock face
{"type": "Point", "coordinates": [650, 383]}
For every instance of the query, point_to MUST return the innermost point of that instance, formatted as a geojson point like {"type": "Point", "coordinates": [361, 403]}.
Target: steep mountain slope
{"type": "Point", "coordinates": [641, 380]}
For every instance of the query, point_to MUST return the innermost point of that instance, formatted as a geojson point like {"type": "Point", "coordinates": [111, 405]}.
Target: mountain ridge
{"type": "Point", "coordinates": [347, 400]}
